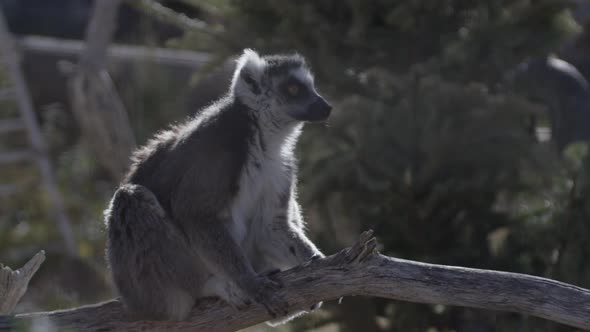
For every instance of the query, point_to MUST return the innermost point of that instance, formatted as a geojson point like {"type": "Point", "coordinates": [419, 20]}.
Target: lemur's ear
{"type": "Point", "coordinates": [254, 86]}
{"type": "Point", "coordinates": [249, 69]}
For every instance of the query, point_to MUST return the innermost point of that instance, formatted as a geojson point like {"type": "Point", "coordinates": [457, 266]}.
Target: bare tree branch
{"type": "Point", "coordinates": [13, 284]}
{"type": "Point", "coordinates": [97, 107]}
{"type": "Point", "coordinates": [169, 16]}
{"type": "Point", "coordinates": [99, 34]}
{"type": "Point", "coordinates": [119, 54]}
{"type": "Point", "coordinates": [358, 270]}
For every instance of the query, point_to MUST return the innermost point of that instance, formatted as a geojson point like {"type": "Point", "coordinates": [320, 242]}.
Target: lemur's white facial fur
{"type": "Point", "coordinates": [279, 86]}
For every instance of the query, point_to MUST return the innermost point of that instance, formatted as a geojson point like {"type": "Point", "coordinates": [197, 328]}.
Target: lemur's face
{"type": "Point", "coordinates": [281, 84]}
{"type": "Point", "coordinates": [295, 95]}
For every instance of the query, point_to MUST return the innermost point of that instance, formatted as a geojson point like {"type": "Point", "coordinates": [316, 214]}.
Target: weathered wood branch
{"type": "Point", "coordinates": [13, 284]}
{"type": "Point", "coordinates": [118, 54]}
{"type": "Point", "coordinates": [358, 270]}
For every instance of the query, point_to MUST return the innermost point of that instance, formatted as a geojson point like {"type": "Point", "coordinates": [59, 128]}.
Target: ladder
{"type": "Point", "coordinates": [19, 93]}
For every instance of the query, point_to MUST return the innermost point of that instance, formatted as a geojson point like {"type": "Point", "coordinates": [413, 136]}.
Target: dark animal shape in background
{"type": "Point", "coordinates": [565, 92]}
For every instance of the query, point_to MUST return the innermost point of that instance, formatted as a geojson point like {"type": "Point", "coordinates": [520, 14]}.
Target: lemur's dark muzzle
{"type": "Point", "coordinates": [319, 110]}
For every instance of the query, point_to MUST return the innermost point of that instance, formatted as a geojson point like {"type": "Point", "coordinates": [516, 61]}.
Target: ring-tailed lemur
{"type": "Point", "coordinates": [210, 204]}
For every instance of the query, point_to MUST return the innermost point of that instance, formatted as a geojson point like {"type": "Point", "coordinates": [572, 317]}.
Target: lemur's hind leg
{"type": "Point", "coordinates": [150, 260]}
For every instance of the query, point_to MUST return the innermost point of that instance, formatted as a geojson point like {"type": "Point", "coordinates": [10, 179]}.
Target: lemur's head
{"type": "Point", "coordinates": [280, 84]}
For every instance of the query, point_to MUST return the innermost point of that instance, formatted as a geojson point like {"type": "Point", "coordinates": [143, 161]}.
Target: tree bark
{"type": "Point", "coordinates": [358, 270]}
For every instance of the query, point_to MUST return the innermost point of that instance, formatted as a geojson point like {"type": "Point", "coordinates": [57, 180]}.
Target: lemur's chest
{"type": "Point", "coordinates": [263, 182]}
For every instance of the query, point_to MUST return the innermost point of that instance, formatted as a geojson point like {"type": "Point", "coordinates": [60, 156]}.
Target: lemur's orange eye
{"type": "Point", "coordinates": [293, 89]}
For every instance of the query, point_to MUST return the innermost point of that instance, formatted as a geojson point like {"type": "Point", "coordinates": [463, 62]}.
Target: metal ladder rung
{"type": "Point", "coordinates": [6, 94]}
{"type": "Point", "coordinates": [16, 156]}
{"type": "Point", "coordinates": [11, 125]}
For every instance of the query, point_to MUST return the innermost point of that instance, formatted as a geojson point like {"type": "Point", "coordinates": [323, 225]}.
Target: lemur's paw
{"type": "Point", "coordinates": [272, 275]}
{"type": "Point", "coordinates": [315, 257]}
{"type": "Point", "coordinates": [237, 298]}
{"type": "Point", "coordinates": [266, 293]}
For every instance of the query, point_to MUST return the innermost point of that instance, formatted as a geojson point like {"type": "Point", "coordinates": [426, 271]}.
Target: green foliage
{"type": "Point", "coordinates": [435, 162]}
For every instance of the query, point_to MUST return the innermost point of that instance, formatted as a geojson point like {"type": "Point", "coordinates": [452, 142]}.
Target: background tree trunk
{"type": "Point", "coordinates": [95, 102]}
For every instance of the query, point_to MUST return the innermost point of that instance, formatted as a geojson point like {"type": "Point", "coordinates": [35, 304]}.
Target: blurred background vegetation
{"type": "Point", "coordinates": [459, 136]}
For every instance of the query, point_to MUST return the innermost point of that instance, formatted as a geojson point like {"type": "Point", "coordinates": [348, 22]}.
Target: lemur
{"type": "Point", "coordinates": [209, 206]}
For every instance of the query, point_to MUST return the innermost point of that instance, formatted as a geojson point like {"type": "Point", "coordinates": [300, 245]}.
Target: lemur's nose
{"type": "Point", "coordinates": [324, 105]}
{"type": "Point", "coordinates": [320, 109]}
